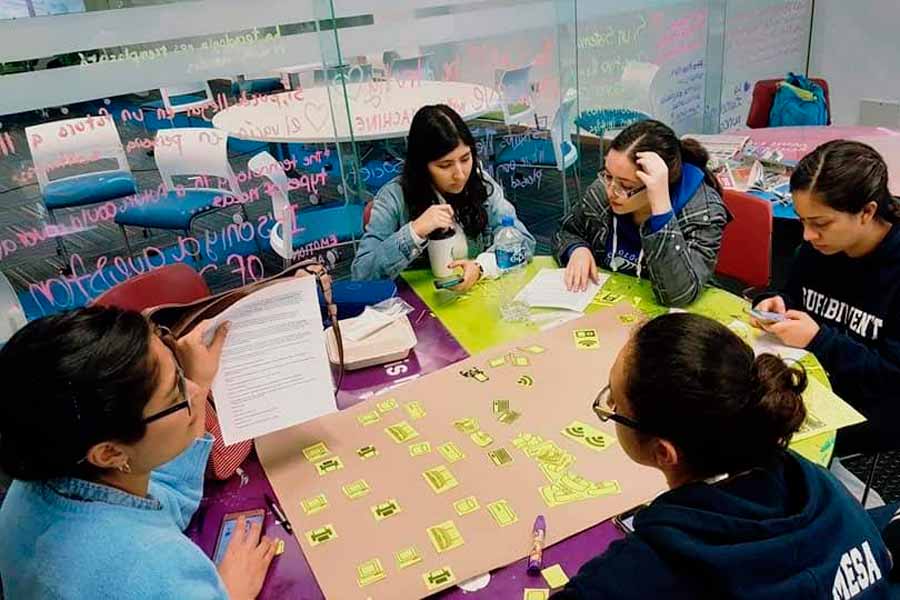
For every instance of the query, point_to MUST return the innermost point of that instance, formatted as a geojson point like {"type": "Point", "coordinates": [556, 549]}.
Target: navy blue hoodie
{"type": "Point", "coordinates": [856, 302]}
{"type": "Point", "coordinates": [787, 531]}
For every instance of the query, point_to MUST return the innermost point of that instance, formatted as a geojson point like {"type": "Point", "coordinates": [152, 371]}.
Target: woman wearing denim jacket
{"type": "Point", "coordinates": [442, 191]}
{"type": "Point", "coordinates": [655, 209]}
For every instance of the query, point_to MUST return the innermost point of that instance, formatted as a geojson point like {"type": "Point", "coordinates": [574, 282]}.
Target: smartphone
{"type": "Point", "coordinates": [625, 520]}
{"type": "Point", "coordinates": [764, 316]}
{"type": "Point", "coordinates": [229, 522]}
{"type": "Point", "coordinates": [448, 282]}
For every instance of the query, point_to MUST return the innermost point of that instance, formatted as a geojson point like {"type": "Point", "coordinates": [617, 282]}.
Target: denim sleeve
{"type": "Point", "coordinates": [178, 484]}
{"type": "Point", "coordinates": [387, 246]}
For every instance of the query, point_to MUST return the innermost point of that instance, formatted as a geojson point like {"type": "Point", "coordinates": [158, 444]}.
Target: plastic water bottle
{"type": "Point", "coordinates": [511, 252]}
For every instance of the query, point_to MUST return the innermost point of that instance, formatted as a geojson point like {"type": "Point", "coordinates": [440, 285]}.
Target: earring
{"type": "Point", "coordinates": [125, 467]}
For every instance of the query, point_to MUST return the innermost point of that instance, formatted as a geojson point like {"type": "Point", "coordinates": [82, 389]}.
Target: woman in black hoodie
{"type": "Point", "coordinates": [842, 301]}
{"type": "Point", "coordinates": [744, 517]}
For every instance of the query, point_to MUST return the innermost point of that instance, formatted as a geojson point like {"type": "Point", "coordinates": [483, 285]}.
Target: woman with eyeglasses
{"type": "Point", "coordinates": [842, 299]}
{"type": "Point", "coordinates": [744, 518]}
{"type": "Point", "coordinates": [655, 209]}
{"type": "Point", "coordinates": [102, 431]}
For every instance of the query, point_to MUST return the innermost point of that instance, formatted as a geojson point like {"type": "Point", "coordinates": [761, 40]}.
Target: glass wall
{"type": "Point", "coordinates": [139, 134]}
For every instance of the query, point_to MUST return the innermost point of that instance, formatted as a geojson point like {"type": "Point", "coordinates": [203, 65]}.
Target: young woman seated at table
{"type": "Point", "coordinates": [842, 300]}
{"type": "Point", "coordinates": [441, 192]}
{"type": "Point", "coordinates": [654, 209]}
{"type": "Point", "coordinates": [102, 430]}
{"type": "Point", "coordinates": [743, 516]}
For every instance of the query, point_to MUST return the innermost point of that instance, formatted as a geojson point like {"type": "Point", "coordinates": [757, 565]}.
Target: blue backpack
{"type": "Point", "coordinates": [798, 101]}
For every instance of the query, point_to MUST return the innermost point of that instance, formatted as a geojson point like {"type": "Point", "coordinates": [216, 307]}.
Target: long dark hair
{"type": "Point", "coordinates": [434, 132]}
{"type": "Point", "coordinates": [71, 381]}
{"type": "Point", "coordinates": [847, 176]}
{"type": "Point", "coordinates": [656, 136]}
{"type": "Point", "coordinates": [698, 384]}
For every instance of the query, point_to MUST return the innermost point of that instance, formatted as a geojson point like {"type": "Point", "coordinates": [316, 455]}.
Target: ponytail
{"type": "Point", "coordinates": [693, 152]}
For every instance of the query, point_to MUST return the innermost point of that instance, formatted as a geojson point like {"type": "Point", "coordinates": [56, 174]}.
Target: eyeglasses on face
{"type": "Point", "coordinates": [169, 340]}
{"type": "Point", "coordinates": [615, 188]}
{"type": "Point", "coordinates": [605, 410]}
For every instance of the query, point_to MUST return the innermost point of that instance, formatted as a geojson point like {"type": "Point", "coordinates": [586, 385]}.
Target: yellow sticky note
{"type": "Point", "coordinates": [440, 479]}
{"type": "Point", "coordinates": [386, 405]}
{"type": "Point", "coordinates": [369, 418]}
{"type": "Point", "coordinates": [481, 438]}
{"type": "Point", "coordinates": [329, 465]}
{"type": "Point", "coordinates": [500, 457]}
{"type": "Point", "coordinates": [438, 578]}
{"type": "Point", "coordinates": [367, 452]}
{"type": "Point", "coordinates": [356, 489]}
{"type": "Point", "coordinates": [508, 417]}
{"type": "Point", "coordinates": [386, 509]}
{"type": "Point", "coordinates": [555, 576]}
{"type": "Point", "coordinates": [321, 535]}
{"type": "Point", "coordinates": [535, 594]}
{"type": "Point", "coordinates": [497, 362]}
{"type": "Point", "coordinates": [414, 409]}
{"type": "Point", "coordinates": [502, 512]}
{"type": "Point", "coordinates": [407, 557]}
{"type": "Point", "coordinates": [518, 360]}
{"type": "Point", "coordinates": [316, 452]}
{"type": "Point", "coordinates": [279, 547]}
{"type": "Point", "coordinates": [445, 536]}
{"type": "Point", "coordinates": [402, 432]}
{"type": "Point", "coordinates": [451, 452]}
{"type": "Point", "coordinates": [465, 506]}
{"type": "Point", "coordinates": [469, 425]}
{"type": "Point", "coordinates": [419, 449]}
{"type": "Point", "coordinates": [534, 349]}
{"type": "Point", "coordinates": [586, 339]}
{"type": "Point", "coordinates": [369, 572]}
{"type": "Point", "coordinates": [315, 504]}
{"type": "Point", "coordinates": [499, 406]}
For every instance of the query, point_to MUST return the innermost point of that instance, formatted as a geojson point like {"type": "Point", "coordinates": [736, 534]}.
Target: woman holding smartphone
{"type": "Point", "coordinates": [655, 209]}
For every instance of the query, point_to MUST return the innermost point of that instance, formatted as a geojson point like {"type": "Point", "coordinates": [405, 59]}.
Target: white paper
{"type": "Point", "coordinates": [274, 371]}
{"type": "Point", "coordinates": [764, 342]}
{"type": "Point", "coordinates": [548, 290]}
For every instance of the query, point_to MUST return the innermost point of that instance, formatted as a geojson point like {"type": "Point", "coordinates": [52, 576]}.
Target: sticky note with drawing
{"type": "Point", "coordinates": [482, 438]}
{"type": "Point", "coordinates": [451, 452]}
{"type": "Point", "coordinates": [316, 452]}
{"type": "Point", "coordinates": [369, 418]}
{"type": "Point", "coordinates": [321, 535]}
{"type": "Point", "coordinates": [414, 410]}
{"type": "Point", "coordinates": [356, 489]}
{"type": "Point", "coordinates": [502, 512]}
{"type": "Point", "coordinates": [466, 505]}
{"type": "Point", "coordinates": [367, 452]}
{"type": "Point", "coordinates": [438, 578]}
{"type": "Point", "coordinates": [315, 504]}
{"type": "Point", "coordinates": [329, 465]}
{"type": "Point", "coordinates": [419, 449]}
{"type": "Point", "coordinates": [369, 572]}
{"type": "Point", "coordinates": [401, 432]}
{"type": "Point", "coordinates": [386, 405]}
{"type": "Point", "coordinates": [385, 509]}
{"type": "Point", "coordinates": [440, 479]}
{"type": "Point", "coordinates": [407, 557]}
{"type": "Point", "coordinates": [445, 536]}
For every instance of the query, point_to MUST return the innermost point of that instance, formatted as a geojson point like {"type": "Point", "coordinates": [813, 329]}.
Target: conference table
{"type": "Point", "coordinates": [372, 110]}
{"type": "Point", "coordinates": [449, 328]}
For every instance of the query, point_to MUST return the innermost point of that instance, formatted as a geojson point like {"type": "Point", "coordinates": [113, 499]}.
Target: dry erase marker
{"type": "Point", "coordinates": [538, 533]}
{"type": "Point", "coordinates": [280, 518]}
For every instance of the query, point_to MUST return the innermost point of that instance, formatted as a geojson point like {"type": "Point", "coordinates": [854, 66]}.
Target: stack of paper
{"type": "Point", "coordinates": [548, 290]}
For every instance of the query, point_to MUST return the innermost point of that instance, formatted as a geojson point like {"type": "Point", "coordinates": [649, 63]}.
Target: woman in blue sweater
{"type": "Point", "coordinates": [743, 517]}
{"type": "Point", "coordinates": [102, 430]}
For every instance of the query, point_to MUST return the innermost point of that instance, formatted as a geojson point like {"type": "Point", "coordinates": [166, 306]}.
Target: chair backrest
{"type": "Point", "coordinates": [171, 284]}
{"type": "Point", "coordinates": [281, 236]}
{"type": "Point", "coordinates": [367, 213]}
{"type": "Point", "coordinates": [194, 151]}
{"type": "Point", "coordinates": [177, 92]}
{"type": "Point", "coordinates": [764, 96]}
{"type": "Point", "coordinates": [74, 141]}
{"type": "Point", "coordinates": [514, 86]}
{"type": "Point", "coordinates": [746, 251]}
{"type": "Point", "coordinates": [413, 68]}
{"type": "Point", "coordinates": [559, 127]}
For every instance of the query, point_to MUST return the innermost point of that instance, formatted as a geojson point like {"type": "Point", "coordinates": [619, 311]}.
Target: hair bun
{"type": "Point", "coordinates": [780, 406]}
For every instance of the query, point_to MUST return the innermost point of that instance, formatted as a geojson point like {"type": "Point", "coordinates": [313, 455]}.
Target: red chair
{"type": "Point", "coordinates": [746, 251]}
{"type": "Point", "coordinates": [764, 96]}
{"type": "Point", "coordinates": [172, 284]}
{"type": "Point", "coordinates": [367, 213]}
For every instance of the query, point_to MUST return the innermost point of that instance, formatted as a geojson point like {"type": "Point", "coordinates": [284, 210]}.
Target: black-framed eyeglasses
{"type": "Point", "coordinates": [169, 340]}
{"type": "Point", "coordinates": [606, 411]}
{"type": "Point", "coordinates": [615, 187]}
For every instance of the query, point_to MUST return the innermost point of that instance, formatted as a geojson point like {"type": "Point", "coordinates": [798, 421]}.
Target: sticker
{"type": "Point", "coordinates": [315, 504]}
{"type": "Point", "coordinates": [407, 557]}
{"type": "Point", "coordinates": [587, 436]}
{"type": "Point", "coordinates": [401, 432]}
{"type": "Point", "coordinates": [414, 409]}
{"type": "Point", "coordinates": [508, 417]}
{"type": "Point", "coordinates": [570, 487]}
{"type": "Point", "coordinates": [476, 374]}
{"type": "Point", "coordinates": [367, 452]}
{"type": "Point", "coordinates": [440, 479]}
{"type": "Point", "coordinates": [628, 319]}
{"type": "Point", "coordinates": [279, 547]}
{"type": "Point", "coordinates": [500, 457]}
{"type": "Point", "coordinates": [497, 362]}
{"type": "Point", "coordinates": [445, 536]}
{"type": "Point", "coordinates": [385, 509]}
{"type": "Point", "coordinates": [481, 439]}
{"type": "Point", "coordinates": [451, 452]}
{"type": "Point", "coordinates": [465, 506]}
{"type": "Point", "coordinates": [586, 339]}
{"type": "Point", "coordinates": [499, 406]}
{"type": "Point", "coordinates": [356, 489]}
{"type": "Point", "coordinates": [369, 418]}
{"type": "Point", "coordinates": [502, 512]}
{"type": "Point", "coordinates": [321, 535]}
{"type": "Point", "coordinates": [469, 425]}
{"type": "Point", "coordinates": [517, 360]}
{"type": "Point", "coordinates": [611, 298]}
{"type": "Point", "coordinates": [525, 381]}
{"type": "Point", "coordinates": [438, 578]}
{"type": "Point", "coordinates": [386, 405]}
{"type": "Point", "coordinates": [419, 449]}
{"type": "Point", "coordinates": [535, 594]}
{"type": "Point", "coordinates": [555, 576]}
{"type": "Point", "coordinates": [316, 452]}
{"type": "Point", "coordinates": [534, 349]}
{"type": "Point", "coordinates": [369, 572]}
{"type": "Point", "coordinates": [329, 465]}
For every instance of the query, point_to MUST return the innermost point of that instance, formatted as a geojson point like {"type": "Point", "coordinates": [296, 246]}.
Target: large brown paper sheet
{"type": "Point", "coordinates": [564, 382]}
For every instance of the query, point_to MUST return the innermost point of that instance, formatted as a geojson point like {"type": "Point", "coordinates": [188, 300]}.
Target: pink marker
{"type": "Point", "coordinates": [539, 533]}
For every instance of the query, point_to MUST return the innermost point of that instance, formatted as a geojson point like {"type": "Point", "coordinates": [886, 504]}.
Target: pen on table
{"type": "Point", "coordinates": [539, 534]}
{"type": "Point", "coordinates": [280, 517]}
